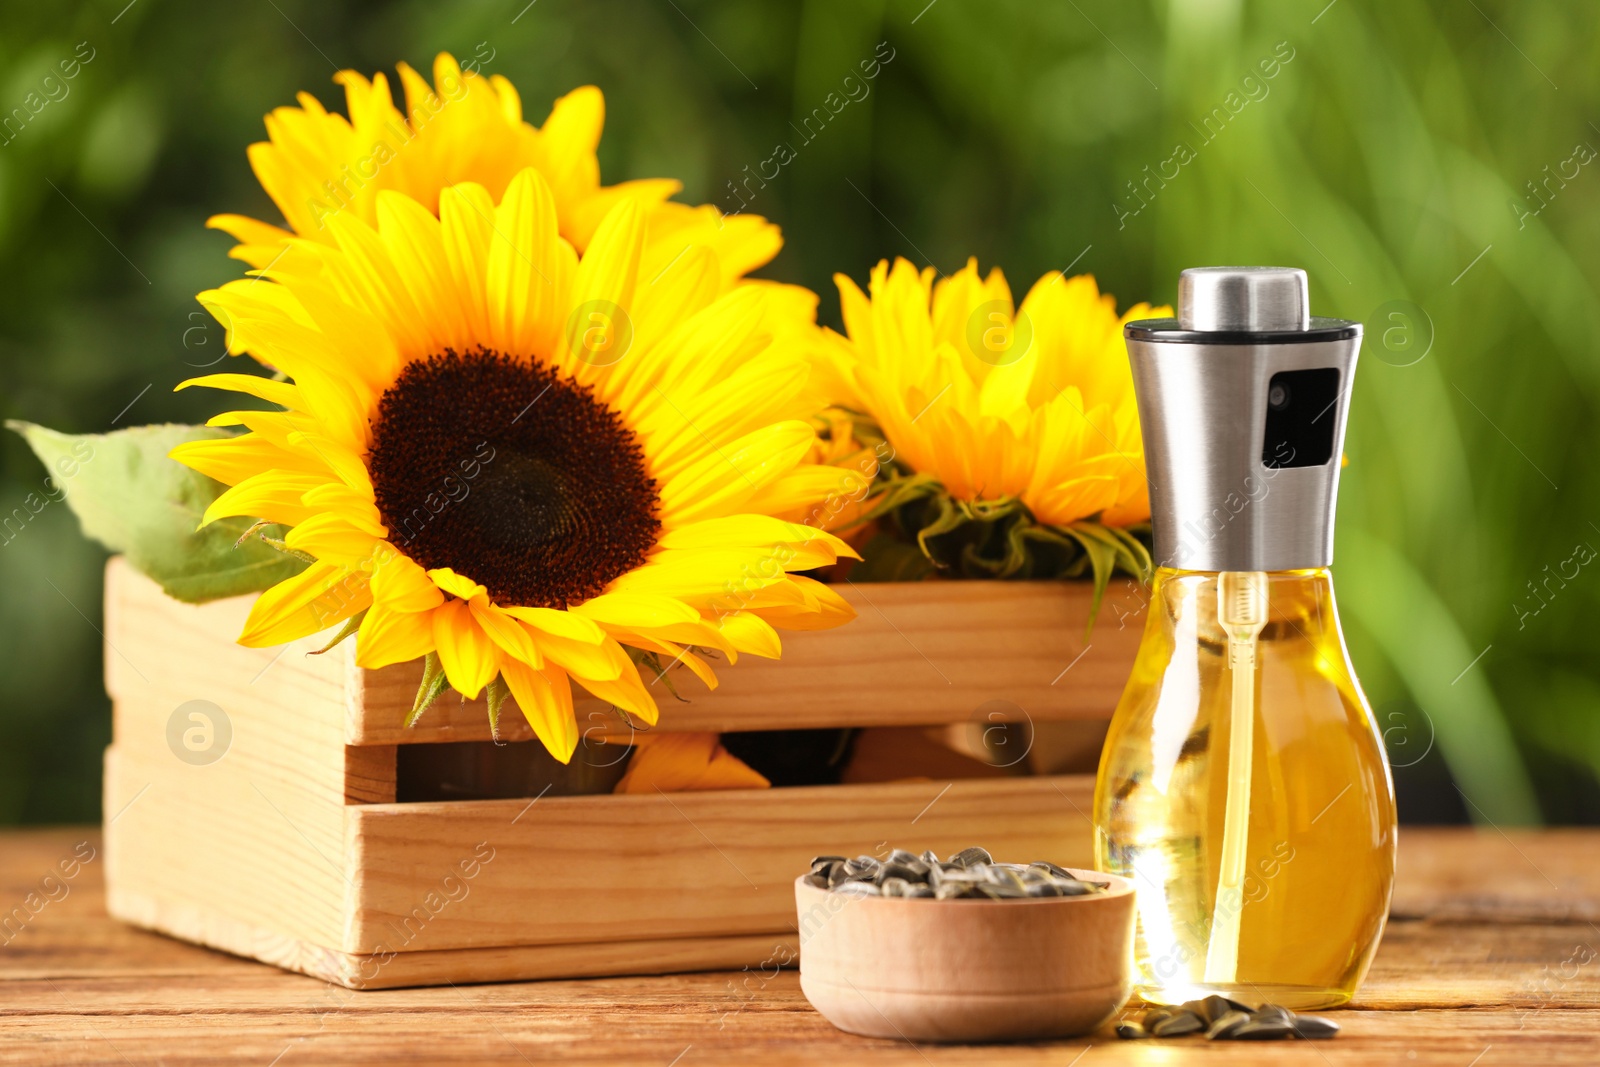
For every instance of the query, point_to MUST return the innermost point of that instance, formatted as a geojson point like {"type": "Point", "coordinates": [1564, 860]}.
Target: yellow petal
{"type": "Point", "coordinates": [505, 631]}
{"type": "Point", "coordinates": [331, 538]}
{"type": "Point", "coordinates": [401, 584]}
{"type": "Point", "coordinates": [750, 633]}
{"type": "Point", "coordinates": [465, 651]}
{"type": "Point", "coordinates": [545, 698]}
{"type": "Point", "coordinates": [453, 583]}
{"type": "Point", "coordinates": [634, 610]}
{"type": "Point", "coordinates": [684, 762]}
{"type": "Point", "coordinates": [388, 636]}
{"type": "Point", "coordinates": [313, 600]}
{"type": "Point", "coordinates": [273, 392]}
{"type": "Point", "coordinates": [626, 690]}
{"type": "Point", "coordinates": [564, 624]}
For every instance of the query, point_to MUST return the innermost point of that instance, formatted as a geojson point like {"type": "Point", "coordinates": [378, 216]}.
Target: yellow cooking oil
{"type": "Point", "coordinates": [1244, 789]}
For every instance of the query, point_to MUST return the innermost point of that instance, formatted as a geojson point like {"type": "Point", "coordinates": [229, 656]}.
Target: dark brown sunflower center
{"type": "Point", "coordinates": [511, 475]}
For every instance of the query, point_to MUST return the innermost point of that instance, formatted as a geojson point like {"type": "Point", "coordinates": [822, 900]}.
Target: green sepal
{"type": "Point", "coordinates": [259, 531]}
{"type": "Point", "coordinates": [434, 683]}
{"type": "Point", "coordinates": [495, 694]}
{"type": "Point", "coordinates": [995, 539]}
{"type": "Point", "coordinates": [652, 662]}
{"type": "Point", "coordinates": [351, 625]}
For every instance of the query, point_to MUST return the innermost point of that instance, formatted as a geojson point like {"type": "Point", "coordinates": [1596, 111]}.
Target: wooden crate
{"type": "Point", "coordinates": [289, 847]}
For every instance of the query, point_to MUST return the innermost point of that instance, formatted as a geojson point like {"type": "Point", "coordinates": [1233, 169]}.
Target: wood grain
{"type": "Point", "coordinates": [622, 868]}
{"type": "Point", "coordinates": [79, 988]}
{"type": "Point", "coordinates": [917, 654]}
{"type": "Point", "coordinates": [192, 831]}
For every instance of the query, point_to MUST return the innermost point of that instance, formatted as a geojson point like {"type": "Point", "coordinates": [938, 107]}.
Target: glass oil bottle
{"type": "Point", "coordinates": [1243, 785]}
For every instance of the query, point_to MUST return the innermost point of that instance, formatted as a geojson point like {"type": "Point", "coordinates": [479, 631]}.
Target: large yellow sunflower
{"type": "Point", "coordinates": [469, 128]}
{"type": "Point", "coordinates": [519, 459]}
{"type": "Point", "coordinates": [999, 403]}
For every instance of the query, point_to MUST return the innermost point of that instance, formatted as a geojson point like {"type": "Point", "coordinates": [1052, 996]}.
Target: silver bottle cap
{"type": "Point", "coordinates": [1243, 299]}
{"type": "Point", "coordinates": [1242, 401]}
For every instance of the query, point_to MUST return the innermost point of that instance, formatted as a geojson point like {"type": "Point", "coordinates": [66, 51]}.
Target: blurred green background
{"type": "Point", "coordinates": [1427, 162]}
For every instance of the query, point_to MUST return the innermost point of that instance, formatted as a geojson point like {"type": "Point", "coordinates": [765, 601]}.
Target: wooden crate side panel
{"type": "Point", "coordinates": [434, 877]}
{"type": "Point", "coordinates": [251, 823]}
{"type": "Point", "coordinates": [918, 654]}
{"type": "Point", "coordinates": [204, 926]}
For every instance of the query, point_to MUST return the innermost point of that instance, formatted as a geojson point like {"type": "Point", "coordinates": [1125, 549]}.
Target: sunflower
{"type": "Point", "coordinates": [515, 461]}
{"type": "Point", "coordinates": [1018, 420]}
{"type": "Point", "coordinates": [466, 127]}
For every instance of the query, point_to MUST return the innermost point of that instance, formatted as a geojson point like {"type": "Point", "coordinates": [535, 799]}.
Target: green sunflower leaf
{"type": "Point", "coordinates": [133, 499]}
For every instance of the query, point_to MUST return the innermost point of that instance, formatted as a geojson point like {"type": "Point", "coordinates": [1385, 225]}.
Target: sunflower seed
{"type": "Point", "coordinates": [858, 889]}
{"type": "Point", "coordinates": [1130, 1031]}
{"type": "Point", "coordinates": [897, 870]}
{"type": "Point", "coordinates": [1154, 1017]}
{"type": "Point", "coordinates": [962, 876]}
{"type": "Point", "coordinates": [1226, 1024]}
{"type": "Point", "coordinates": [1177, 1024]}
{"type": "Point", "coordinates": [1313, 1027]}
{"type": "Point", "coordinates": [1215, 1007]}
{"type": "Point", "coordinates": [1262, 1030]}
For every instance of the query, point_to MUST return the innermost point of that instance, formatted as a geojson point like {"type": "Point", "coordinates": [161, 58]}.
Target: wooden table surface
{"type": "Point", "coordinates": [1492, 957]}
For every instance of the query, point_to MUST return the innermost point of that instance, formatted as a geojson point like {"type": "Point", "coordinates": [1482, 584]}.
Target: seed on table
{"type": "Point", "coordinates": [1226, 1024]}
{"type": "Point", "coordinates": [1216, 1006]}
{"type": "Point", "coordinates": [1130, 1031]}
{"type": "Point", "coordinates": [1177, 1024]}
{"type": "Point", "coordinates": [1313, 1027]}
{"type": "Point", "coordinates": [1259, 1029]}
{"type": "Point", "coordinates": [1154, 1017]}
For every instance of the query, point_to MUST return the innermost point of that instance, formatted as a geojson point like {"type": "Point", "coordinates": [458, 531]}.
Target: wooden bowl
{"type": "Point", "coordinates": [967, 970]}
